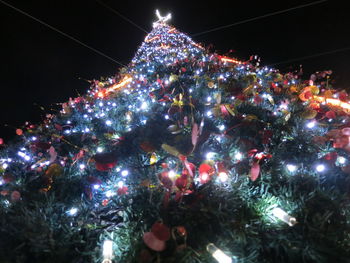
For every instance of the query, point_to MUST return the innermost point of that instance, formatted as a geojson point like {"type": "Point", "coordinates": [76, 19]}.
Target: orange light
{"type": "Point", "coordinates": [100, 94]}
{"type": "Point", "coordinates": [121, 84]}
{"type": "Point", "coordinates": [150, 40]}
{"type": "Point", "coordinates": [226, 59]}
{"type": "Point", "coordinates": [333, 102]}
{"type": "Point", "coordinates": [197, 45]}
{"type": "Point", "coordinates": [171, 30]}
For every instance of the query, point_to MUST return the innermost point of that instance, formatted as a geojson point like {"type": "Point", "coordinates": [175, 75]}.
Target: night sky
{"type": "Point", "coordinates": [40, 66]}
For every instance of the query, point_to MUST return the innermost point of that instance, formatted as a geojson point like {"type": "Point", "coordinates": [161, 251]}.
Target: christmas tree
{"type": "Point", "coordinates": [183, 156]}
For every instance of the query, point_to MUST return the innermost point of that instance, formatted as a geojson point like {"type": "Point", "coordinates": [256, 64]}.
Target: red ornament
{"type": "Point", "coordinates": [254, 171]}
{"type": "Point", "coordinates": [1, 141]}
{"type": "Point", "coordinates": [19, 132]}
{"type": "Point", "coordinates": [122, 190]}
{"type": "Point", "coordinates": [181, 182]}
{"type": "Point", "coordinates": [206, 168]}
{"type": "Point", "coordinates": [152, 242]}
{"type": "Point", "coordinates": [161, 231]}
{"type": "Point", "coordinates": [15, 196]}
{"type": "Point", "coordinates": [105, 161]}
{"type": "Point", "coordinates": [331, 114]}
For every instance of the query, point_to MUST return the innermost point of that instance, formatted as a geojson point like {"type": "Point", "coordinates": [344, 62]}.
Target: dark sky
{"type": "Point", "coordinates": [40, 66]}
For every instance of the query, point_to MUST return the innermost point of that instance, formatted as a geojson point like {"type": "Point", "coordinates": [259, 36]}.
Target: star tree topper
{"type": "Point", "coordinates": [161, 19]}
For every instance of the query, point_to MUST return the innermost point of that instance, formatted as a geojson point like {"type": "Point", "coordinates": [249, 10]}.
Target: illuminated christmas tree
{"type": "Point", "coordinates": [184, 156]}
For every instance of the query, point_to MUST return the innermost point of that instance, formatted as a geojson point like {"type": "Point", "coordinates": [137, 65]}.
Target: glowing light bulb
{"type": "Point", "coordinates": [144, 105]}
{"type": "Point", "coordinates": [99, 149]}
{"type": "Point", "coordinates": [222, 127]}
{"type": "Point", "coordinates": [107, 251]}
{"type": "Point", "coordinates": [282, 215]}
{"type": "Point", "coordinates": [108, 122]}
{"type": "Point", "coordinates": [320, 168]}
{"type": "Point", "coordinates": [238, 156]}
{"type": "Point", "coordinates": [96, 186]}
{"type": "Point", "coordinates": [218, 254]}
{"type": "Point", "coordinates": [311, 124]}
{"type": "Point", "coordinates": [110, 193]}
{"type": "Point", "coordinates": [73, 211]}
{"type": "Point", "coordinates": [82, 166]}
{"type": "Point", "coordinates": [210, 155]}
{"type": "Point", "coordinates": [341, 159]}
{"type": "Point", "coordinates": [291, 168]}
{"type": "Point", "coordinates": [100, 104]}
{"type": "Point", "coordinates": [5, 165]}
{"type": "Point", "coordinates": [209, 113]}
{"type": "Point", "coordinates": [125, 172]}
{"type": "Point", "coordinates": [172, 174]}
{"type": "Point", "coordinates": [120, 184]}
{"type": "Point", "coordinates": [223, 177]}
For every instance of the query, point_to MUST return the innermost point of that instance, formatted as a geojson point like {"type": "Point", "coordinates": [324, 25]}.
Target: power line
{"type": "Point", "coordinates": [259, 17]}
{"type": "Point", "coordinates": [61, 32]}
{"type": "Point", "coordinates": [122, 16]}
{"type": "Point", "coordinates": [310, 56]}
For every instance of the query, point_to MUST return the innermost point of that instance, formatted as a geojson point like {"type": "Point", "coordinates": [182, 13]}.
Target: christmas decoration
{"type": "Point", "coordinates": [181, 148]}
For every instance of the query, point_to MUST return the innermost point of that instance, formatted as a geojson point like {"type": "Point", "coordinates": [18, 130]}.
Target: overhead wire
{"type": "Point", "coordinates": [259, 17]}
{"type": "Point", "coordinates": [61, 32]}
{"type": "Point", "coordinates": [122, 16]}
{"type": "Point", "coordinates": [311, 56]}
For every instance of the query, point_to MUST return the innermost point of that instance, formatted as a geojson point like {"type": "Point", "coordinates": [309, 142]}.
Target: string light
{"type": "Point", "coordinates": [238, 156]}
{"type": "Point", "coordinates": [282, 215]}
{"type": "Point", "coordinates": [341, 160]}
{"type": "Point", "coordinates": [107, 251]}
{"type": "Point", "coordinates": [210, 155]}
{"type": "Point", "coordinates": [311, 124]}
{"type": "Point", "coordinates": [320, 168]}
{"type": "Point", "coordinates": [125, 172]}
{"type": "Point", "coordinates": [99, 149]}
{"type": "Point", "coordinates": [291, 167]}
{"type": "Point", "coordinates": [223, 177]}
{"type": "Point", "coordinates": [73, 211]}
{"type": "Point", "coordinates": [218, 254]}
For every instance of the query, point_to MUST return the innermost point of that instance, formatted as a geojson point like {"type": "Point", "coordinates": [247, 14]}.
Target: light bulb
{"type": "Point", "coordinates": [218, 254]}
{"type": "Point", "coordinates": [282, 215]}
{"type": "Point", "coordinates": [82, 166]}
{"type": "Point", "coordinates": [99, 149]}
{"type": "Point", "coordinates": [125, 172]}
{"type": "Point", "coordinates": [108, 122]}
{"type": "Point", "coordinates": [120, 184]}
{"type": "Point", "coordinates": [341, 160]}
{"type": "Point", "coordinates": [238, 156]}
{"type": "Point", "coordinates": [107, 251]}
{"type": "Point", "coordinates": [73, 211]}
{"type": "Point", "coordinates": [291, 168]}
{"type": "Point", "coordinates": [110, 193]}
{"type": "Point", "coordinates": [320, 168]}
{"type": "Point", "coordinates": [311, 124]}
{"type": "Point", "coordinates": [171, 174]}
{"type": "Point", "coordinates": [210, 155]}
{"type": "Point", "coordinates": [223, 177]}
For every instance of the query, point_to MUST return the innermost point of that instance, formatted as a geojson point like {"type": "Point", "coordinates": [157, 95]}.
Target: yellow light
{"type": "Point", "coordinates": [333, 102]}
{"type": "Point", "coordinates": [218, 254]}
{"type": "Point", "coordinates": [121, 84]}
{"type": "Point", "coordinates": [151, 39]}
{"type": "Point", "coordinates": [226, 59]}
